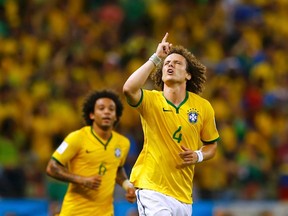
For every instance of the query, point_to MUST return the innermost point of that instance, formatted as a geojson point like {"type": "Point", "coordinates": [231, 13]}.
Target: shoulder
{"type": "Point", "coordinates": [199, 99]}
{"type": "Point", "coordinates": [151, 92]}
{"type": "Point", "coordinates": [202, 105]}
{"type": "Point", "coordinates": [78, 134]}
{"type": "Point", "coordinates": [152, 95]}
{"type": "Point", "coordinates": [149, 98]}
{"type": "Point", "coordinates": [120, 137]}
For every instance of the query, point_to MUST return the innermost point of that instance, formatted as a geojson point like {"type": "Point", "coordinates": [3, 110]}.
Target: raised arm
{"type": "Point", "coordinates": [133, 85]}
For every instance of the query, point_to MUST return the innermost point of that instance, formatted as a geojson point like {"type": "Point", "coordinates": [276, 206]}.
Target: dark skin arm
{"type": "Point", "coordinates": [120, 178]}
{"type": "Point", "coordinates": [189, 157]}
{"type": "Point", "coordinates": [60, 172]}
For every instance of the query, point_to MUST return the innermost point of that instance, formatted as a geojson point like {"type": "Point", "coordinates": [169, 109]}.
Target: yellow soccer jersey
{"type": "Point", "coordinates": [167, 127]}
{"type": "Point", "coordinates": [86, 154]}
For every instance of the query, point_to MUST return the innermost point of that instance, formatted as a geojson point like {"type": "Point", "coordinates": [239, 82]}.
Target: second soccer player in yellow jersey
{"type": "Point", "coordinates": [91, 159]}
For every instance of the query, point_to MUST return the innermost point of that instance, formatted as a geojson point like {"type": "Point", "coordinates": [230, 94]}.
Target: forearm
{"type": "Point", "coordinates": [136, 81]}
{"type": "Point", "coordinates": [61, 173]}
{"type": "Point", "coordinates": [139, 77]}
{"type": "Point", "coordinates": [121, 176]}
{"type": "Point", "coordinates": [209, 151]}
{"type": "Point", "coordinates": [123, 181]}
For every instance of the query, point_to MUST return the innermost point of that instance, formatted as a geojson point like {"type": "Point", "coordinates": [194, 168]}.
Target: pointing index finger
{"type": "Point", "coordinates": [165, 37]}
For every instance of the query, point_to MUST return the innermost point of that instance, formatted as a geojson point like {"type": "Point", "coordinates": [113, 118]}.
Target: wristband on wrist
{"type": "Point", "coordinates": [127, 184]}
{"type": "Point", "coordinates": [200, 156]}
{"type": "Point", "coordinates": [155, 59]}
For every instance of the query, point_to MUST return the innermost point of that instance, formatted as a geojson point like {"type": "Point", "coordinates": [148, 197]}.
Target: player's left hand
{"type": "Point", "coordinates": [188, 157]}
{"type": "Point", "coordinates": [130, 195]}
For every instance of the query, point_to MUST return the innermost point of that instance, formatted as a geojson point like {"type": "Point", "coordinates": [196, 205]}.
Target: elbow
{"type": "Point", "coordinates": [126, 90]}
{"type": "Point", "coordinates": [129, 92]}
{"type": "Point", "coordinates": [132, 94]}
{"type": "Point", "coordinates": [49, 169]}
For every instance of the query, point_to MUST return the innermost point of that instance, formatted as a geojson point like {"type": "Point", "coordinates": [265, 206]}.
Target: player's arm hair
{"type": "Point", "coordinates": [56, 170]}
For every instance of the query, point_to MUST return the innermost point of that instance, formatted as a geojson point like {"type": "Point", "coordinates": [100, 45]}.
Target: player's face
{"type": "Point", "coordinates": [174, 69]}
{"type": "Point", "coordinates": [104, 115]}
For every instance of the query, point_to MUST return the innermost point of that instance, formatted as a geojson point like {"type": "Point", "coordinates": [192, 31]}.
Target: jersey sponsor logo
{"type": "Point", "coordinates": [117, 152]}
{"type": "Point", "coordinates": [166, 110]}
{"type": "Point", "coordinates": [192, 116]}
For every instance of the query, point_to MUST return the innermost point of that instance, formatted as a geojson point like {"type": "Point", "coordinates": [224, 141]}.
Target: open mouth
{"type": "Point", "coordinates": [170, 71]}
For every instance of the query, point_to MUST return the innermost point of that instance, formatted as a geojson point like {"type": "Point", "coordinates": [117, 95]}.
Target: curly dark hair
{"type": "Point", "coordinates": [89, 104]}
{"type": "Point", "coordinates": [194, 67]}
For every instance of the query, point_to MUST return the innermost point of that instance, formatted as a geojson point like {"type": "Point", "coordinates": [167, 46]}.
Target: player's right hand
{"type": "Point", "coordinates": [92, 182]}
{"type": "Point", "coordinates": [163, 48]}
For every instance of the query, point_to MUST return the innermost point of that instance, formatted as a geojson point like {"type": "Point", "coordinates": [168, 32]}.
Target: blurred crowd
{"type": "Point", "coordinates": [52, 53]}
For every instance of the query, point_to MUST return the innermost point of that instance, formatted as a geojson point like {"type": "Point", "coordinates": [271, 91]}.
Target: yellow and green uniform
{"type": "Point", "coordinates": [167, 127]}
{"type": "Point", "coordinates": [86, 154]}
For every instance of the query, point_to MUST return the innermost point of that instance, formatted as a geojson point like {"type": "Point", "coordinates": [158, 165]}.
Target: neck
{"type": "Point", "coordinates": [103, 133]}
{"type": "Point", "coordinates": [175, 94]}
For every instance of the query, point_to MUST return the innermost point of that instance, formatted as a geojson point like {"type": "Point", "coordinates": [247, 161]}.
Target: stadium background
{"type": "Point", "coordinates": [52, 53]}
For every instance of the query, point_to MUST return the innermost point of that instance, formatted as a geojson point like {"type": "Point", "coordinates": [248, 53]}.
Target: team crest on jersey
{"type": "Point", "coordinates": [192, 116]}
{"type": "Point", "coordinates": [117, 152]}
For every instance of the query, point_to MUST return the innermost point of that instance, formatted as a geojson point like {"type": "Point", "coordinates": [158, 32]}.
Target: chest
{"type": "Point", "coordinates": [94, 152]}
{"type": "Point", "coordinates": [190, 116]}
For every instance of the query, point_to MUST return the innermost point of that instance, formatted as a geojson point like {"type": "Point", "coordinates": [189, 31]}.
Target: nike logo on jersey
{"type": "Point", "coordinates": [166, 110]}
{"type": "Point", "coordinates": [88, 151]}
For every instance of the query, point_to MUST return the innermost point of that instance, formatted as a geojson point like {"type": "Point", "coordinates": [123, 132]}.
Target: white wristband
{"type": "Point", "coordinates": [127, 184]}
{"type": "Point", "coordinates": [155, 59]}
{"type": "Point", "coordinates": [200, 156]}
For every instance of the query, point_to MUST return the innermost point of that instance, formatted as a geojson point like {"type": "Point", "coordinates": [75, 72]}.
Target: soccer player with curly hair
{"type": "Point", "coordinates": [91, 159]}
{"type": "Point", "coordinates": [179, 130]}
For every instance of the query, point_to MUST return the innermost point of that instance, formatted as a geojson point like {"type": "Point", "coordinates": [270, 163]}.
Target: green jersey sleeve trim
{"type": "Point", "coordinates": [141, 98]}
{"type": "Point", "coordinates": [212, 141]}
{"type": "Point", "coordinates": [57, 161]}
